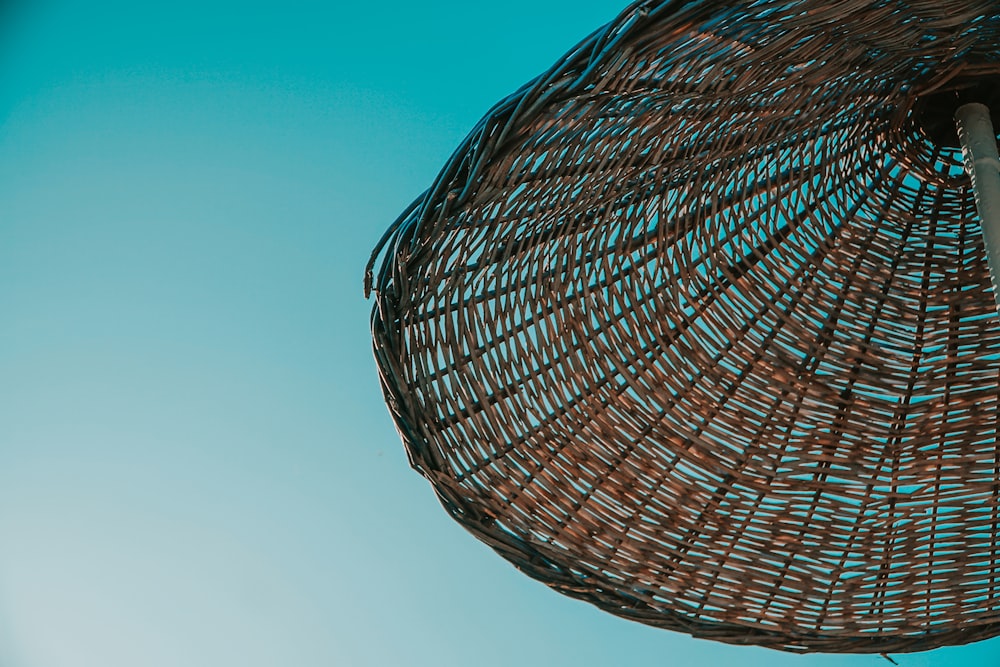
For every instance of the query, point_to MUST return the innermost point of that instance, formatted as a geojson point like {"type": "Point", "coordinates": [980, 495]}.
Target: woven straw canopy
{"type": "Point", "coordinates": [697, 326]}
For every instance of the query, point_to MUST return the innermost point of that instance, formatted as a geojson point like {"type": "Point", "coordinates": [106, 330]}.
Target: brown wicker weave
{"type": "Point", "coordinates": [696, 326]}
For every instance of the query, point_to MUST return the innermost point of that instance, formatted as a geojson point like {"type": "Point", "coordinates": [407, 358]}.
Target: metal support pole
{"type": "Point", "coordinates": [979, 147]}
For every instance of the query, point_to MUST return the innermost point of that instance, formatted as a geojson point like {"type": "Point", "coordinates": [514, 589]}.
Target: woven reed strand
{"type": "Point", "coordinates": [697, 327]}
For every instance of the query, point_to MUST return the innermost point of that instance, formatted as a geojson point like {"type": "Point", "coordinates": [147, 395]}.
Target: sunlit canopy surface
{"type": "Point", "coordinates": [697, 327]}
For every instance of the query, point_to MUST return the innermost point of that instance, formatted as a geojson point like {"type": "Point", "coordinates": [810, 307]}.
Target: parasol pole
{"type": "Point", "coordinates": [979, 146]}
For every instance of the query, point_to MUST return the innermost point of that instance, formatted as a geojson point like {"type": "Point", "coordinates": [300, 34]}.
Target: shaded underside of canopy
{"type": "Point", "coordinates": [697, 326]}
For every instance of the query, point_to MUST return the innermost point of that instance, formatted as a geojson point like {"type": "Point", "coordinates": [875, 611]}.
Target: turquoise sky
{"type": "Point", "coordinates": [196, 468]}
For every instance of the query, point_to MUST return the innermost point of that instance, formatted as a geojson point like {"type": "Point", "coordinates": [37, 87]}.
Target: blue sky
{"type": "Point", "coordinates": [196, 468]}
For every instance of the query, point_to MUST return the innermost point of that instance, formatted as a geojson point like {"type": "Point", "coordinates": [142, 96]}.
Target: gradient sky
{"type": "Point", "coordinates": [196, 467]}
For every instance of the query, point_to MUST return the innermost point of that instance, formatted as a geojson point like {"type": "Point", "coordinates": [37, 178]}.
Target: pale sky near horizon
{"type": "Point", "coordinates": [196, 467]}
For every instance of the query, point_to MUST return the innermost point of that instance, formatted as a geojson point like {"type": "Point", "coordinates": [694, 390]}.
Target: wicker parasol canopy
{"type": "Point", "coordinates": [697, 326]}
